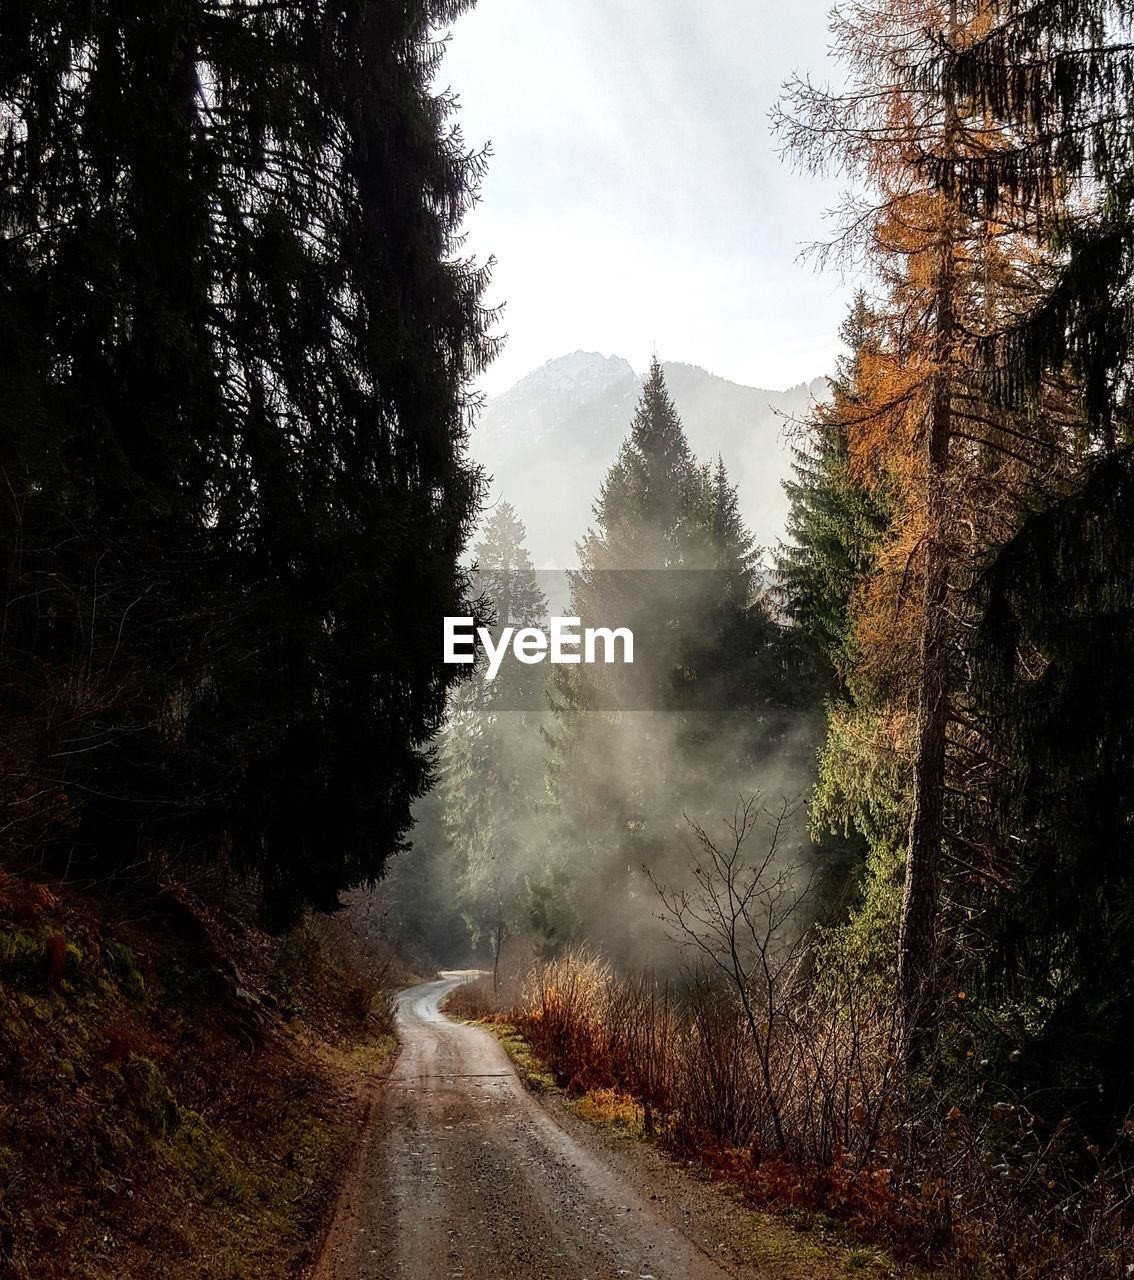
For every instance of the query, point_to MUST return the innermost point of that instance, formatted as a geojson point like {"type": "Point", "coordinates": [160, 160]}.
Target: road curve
{"type": "Point", "coordinates": [461, 1173]}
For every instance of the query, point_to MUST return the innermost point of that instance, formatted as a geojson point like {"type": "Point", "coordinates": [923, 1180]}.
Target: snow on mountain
{"type": "Point", "coordinates": [551, 394]}
{"type": "Point", "coordinates": [548, 441]}
{"type": "Point", "coordinates": [575, 378]}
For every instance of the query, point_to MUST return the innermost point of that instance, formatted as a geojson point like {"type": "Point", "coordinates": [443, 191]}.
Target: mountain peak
{"type": "Point", "coordinates": [578, 375]}
{"type": "Point", "coordinates": [548, 441]}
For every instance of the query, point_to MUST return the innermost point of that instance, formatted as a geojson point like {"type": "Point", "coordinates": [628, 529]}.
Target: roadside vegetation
{"type": "Point", "coordinates": [800, 1110]}
{"type": "Point", "coordinates": [240, 339]}
{"type": "Point", "coordinates": [177, 1089]}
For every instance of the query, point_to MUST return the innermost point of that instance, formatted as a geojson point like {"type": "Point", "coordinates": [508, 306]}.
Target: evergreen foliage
{"type": "Point", "coordinates": [1057, 684]}
{"type": "Point", "coordinates": [1058, 82]}
{"type": "Point", "coordinates": [237, 341]}
{"type": "Point", "coordinates": [998, 142]}
{"type": "Point", "coordinates": [834, 523]}
{"type": "Point", "coordinates": [1051, 652]}
{"type": "Point", "coordinates": [687, 726]}
{"type": "Point", "coordinates": [837, 527]}
{"type": "Point", "coordinates": [944, 455]}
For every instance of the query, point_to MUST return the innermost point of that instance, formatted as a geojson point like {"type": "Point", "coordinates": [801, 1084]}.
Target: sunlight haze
{"type": "Point", "coordinates": [635, 200]}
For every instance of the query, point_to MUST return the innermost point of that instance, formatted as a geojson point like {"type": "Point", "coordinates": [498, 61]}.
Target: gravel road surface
{"type": "Point", "coordinates": [462, 1173]}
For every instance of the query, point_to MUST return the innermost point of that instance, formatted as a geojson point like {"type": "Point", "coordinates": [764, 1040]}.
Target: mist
{"type": "Point", "coordinates": [572, 798]}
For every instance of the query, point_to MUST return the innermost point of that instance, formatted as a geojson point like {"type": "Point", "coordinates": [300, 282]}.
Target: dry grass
{"type": "Point", "coordinates": [471, 1001]}
{"type": "Point", "coordinates": [799, 1246]}
{"type": "Point", "coordinates": [994, 1195]}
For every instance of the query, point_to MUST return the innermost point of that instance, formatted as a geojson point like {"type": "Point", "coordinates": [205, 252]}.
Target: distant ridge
{"type": "Point", "coordinates": [548, 441]}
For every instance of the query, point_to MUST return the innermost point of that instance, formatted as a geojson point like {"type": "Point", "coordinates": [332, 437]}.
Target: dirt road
{"type": "Point", "coordinates": [461, 1173]}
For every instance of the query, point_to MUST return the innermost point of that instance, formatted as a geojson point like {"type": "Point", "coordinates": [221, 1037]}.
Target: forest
{"type": "Point", "coordinates": [831, 890]}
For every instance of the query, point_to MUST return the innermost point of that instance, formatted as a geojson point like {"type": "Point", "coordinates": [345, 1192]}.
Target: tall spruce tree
{"type": "Point", "coordinates": [1059, 85]}
{"type": "Point", "coordinates": [632, 748]}
{"type": "Point", "coordinates": [740, 665]}
{"type": "Point", "coordinates": [1053, 671]}
{"type": "Point", "coordinates": [835, 528]}
{"type": "Point", "coordinates": [237, 342]}
{"type": "Point", "coordinates": [834, 523]}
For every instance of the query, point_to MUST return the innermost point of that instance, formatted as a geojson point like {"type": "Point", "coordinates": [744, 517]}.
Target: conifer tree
{"type": "Point", "coordinates": [650, 510]}
{"type": "Point", "coordinates": [640, 566]}
{"type": "Point", "coordinates": [927, 435]}
{"type": "Point", "coordinates": [1055, 682]}
{"type": "Point", "coordinates": [669, 557]}
{"type": "Point", "coordinates": [1059, 86]}
{"type": "Point", "coordinates": [834, 522]}
{"type": "Point", "coordinates": [237, 344]}
{"type": "Point", "coordinates": [1049, 660]}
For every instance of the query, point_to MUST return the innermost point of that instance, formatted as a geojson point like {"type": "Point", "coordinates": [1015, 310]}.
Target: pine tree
{"type": "Point", "coordinates": [510, 586]}
{"type": "Point", "coordinates": [1059, 85]}
{"type": "Point", "coordinates": [951, 463]}
{"type": "Point", "coordinates": [834, 523]}
{"type": "Point", "coordinates": [238, 341]}
{"type": "Point", "coordinates": [631, 748]}
{"type": "Point", "coordinates": [650, 510]}
{"type": "Point", "coordinates": [1049, 671]}
{"type": "Point", "coordinates": [1055, 681]}
{"type": "Point", "coordinates": [420, 888]}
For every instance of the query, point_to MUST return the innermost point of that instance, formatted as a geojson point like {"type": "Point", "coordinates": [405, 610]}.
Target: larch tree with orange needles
{"type": "Point", "coordinates": [920, 427]}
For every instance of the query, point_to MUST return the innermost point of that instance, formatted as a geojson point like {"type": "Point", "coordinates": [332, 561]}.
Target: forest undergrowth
{"type": "Point", "coordinates": [803, 1111]}
{"type": "Point", "coordinates": [176, 1085]}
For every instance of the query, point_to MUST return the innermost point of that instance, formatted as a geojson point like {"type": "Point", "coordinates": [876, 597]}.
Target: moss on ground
{"type": "Point", "coordinates": [149, 1097]}
{"type": "Point", "coordinates": [144, 1131]}
{"type": "Point", "coordinates": [122, 965]}
{"type": "Point", "coordinates": [198, 1154]}
{"type": "Point", "coordinates": [372, 1058]}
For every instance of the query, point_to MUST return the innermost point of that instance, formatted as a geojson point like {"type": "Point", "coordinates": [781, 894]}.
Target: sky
{"type": "Point", "coordinates": [636, 201]}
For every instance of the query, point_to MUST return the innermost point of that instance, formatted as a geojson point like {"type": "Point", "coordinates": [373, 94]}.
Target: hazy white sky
{"type": "Point", "coordinates": [635, 199]}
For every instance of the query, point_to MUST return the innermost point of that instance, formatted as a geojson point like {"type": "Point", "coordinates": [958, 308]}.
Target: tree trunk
{"type": "Point", "coordinates": [917, 938]}
{"type": "Point", "coordinates": [917, 933]}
